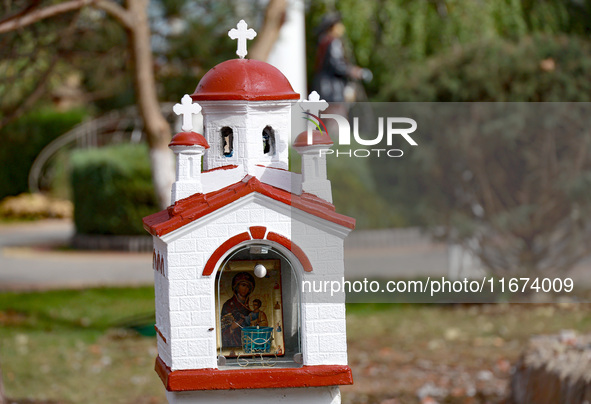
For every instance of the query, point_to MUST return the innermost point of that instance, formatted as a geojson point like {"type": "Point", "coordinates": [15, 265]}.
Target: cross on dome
{"type": "Point", "coordinates": [314, 104]}
{"type": "Point", "coordinates": [187, 109]}
{"type": "Point", "coordinates": [242, 34]}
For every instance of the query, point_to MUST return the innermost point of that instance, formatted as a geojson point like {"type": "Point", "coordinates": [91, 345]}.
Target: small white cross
{"type": "Point", "coordinates": [313, 105]}
{"type": "Point", "coordinates": [242, 34]}
{"type": "Point", "coordinates": [187, 109]}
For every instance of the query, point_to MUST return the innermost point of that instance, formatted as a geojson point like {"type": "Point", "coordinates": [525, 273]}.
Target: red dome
{"type": "Point", "coordinates": [188, 139]}
{"type": "Point", "coordinates": [244, 79]}
{"type": "Point", "coordinates": [318, 137]}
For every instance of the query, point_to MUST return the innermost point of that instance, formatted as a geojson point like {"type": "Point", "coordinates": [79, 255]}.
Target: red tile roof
{"type": "Point", "coordinates": [188, 139]}
{"type": "Point", "coordinates": [244, 79]}
{"type": "Point", "coordinates": [196, 206]}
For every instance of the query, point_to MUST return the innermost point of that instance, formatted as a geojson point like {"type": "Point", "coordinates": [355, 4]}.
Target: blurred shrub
{"type": "Point", "coordinates": [536, 68]}
{"type": "Point", "coordinates": [22, 140]}
{"type": "Point", "coordinates": [34, 206]}
{"type": "Point", "coordinates": [112, 190]}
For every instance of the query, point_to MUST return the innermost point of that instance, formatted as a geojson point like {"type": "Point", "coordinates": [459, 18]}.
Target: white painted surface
{"type": "Point", "coordinates": [247, 119]}
{"type": "Point", "coordinates": [218, 179]}
{"type": "Point", "coordinates": [189, 297]}
{"type": "Point", "coordinates": [187, 109]}
{"type": "Point", "coordinates": [316, 395]}
{"type": "Point", "coordinates": [188, 171]}
{"type": "Point", "coordinates": [242, 34]}
{"type": "Point", "coordinates": [314, 175]}
{"type": "Point", "coordinates": [282, 179]}
{"type": "Point", "coordinates": [314, 105]}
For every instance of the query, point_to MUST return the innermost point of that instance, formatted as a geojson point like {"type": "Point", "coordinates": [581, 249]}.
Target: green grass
{"type": "Point", "coordinates": [67, 346]}
{"type": "Point", "coordinates": [91, 311]}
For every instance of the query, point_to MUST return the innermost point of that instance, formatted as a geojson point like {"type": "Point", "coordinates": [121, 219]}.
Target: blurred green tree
{"type": "Point", "coordinates": [387, 36]}
{"type": "Point", "coordinates": [510, 176]}
{"type": "Point", "coordinates": [133, 18]}
{"type": "Point", "coordinates": [110, 46]}
{"type": "Point", "coordinates": [113, 190]}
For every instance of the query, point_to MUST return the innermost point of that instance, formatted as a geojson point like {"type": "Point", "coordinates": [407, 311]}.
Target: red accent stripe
{"type": "Point", "coordinates": [261, 378]}
{"type": "Point", "coordinates": [297, 251]}
{"type": "Point", "coordinates": [226, 167]}
{"type": "Point", "coordinates": [160, 334]}
{"type": "Point", "coordinates": [258, 232]}
{"type": "Point", "coordinates": [221, 250]}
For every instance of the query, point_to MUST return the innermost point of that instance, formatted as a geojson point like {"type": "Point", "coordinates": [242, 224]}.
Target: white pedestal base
{"type": "Point", "coordinates": [298, 395]}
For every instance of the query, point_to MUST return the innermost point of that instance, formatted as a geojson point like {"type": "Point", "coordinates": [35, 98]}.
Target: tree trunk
{"type": "Point", "coordinates": [274, 18]}
{"type": "Point", "coordinates": [157, 129]}
{"type": "Point", "coordinates": [135, 21]}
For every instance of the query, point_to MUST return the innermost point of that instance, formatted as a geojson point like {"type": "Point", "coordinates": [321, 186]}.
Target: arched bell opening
{"type": "Point", "coordinates": [258, 307]}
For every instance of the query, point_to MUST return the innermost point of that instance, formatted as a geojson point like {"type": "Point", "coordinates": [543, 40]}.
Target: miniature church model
{"type": "Point", "coordinates": [239, 242]}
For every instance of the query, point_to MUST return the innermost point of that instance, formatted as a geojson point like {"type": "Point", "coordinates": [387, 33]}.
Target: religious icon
{"type": "Point", "coordinates": [246, 308]}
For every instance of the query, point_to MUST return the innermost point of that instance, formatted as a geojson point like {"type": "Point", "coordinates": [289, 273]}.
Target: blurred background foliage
{"type": "Point", "coordinates": [418, 50]}
{"type": "Point", "coordinates": [22, 140]}
{"type": "Point", "coordinates": [112, 189]}
{"type": "Point", "coordinates": [396, 39]}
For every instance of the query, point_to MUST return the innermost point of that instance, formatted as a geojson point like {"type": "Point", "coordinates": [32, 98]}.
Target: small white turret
{"type": "Point", "coordinates": [314, 178]}
{"type": "Point", "coordinates": [188, 148]}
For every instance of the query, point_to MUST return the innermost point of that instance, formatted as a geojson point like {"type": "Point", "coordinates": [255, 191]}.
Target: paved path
{"type": "Point", "coordinates": [30, 259]}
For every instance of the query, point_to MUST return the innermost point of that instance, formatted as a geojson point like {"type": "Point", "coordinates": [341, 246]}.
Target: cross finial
{"type": "Point", "coordinates": [313, 105]}
{"type": "Point", "coordinates": [187, 109]}
{"type": "Point", "coordinates": [242, 34]}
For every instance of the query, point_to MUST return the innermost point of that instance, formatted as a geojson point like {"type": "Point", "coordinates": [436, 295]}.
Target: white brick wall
{"type": "Point", "coordinates": [190, 298]}
{"type": "Point", "coordinates": [163, 303]}
{"type": "Point", "coordinates": [247, 120]}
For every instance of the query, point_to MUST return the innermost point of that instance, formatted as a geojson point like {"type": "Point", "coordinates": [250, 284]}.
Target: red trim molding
{"type": "Point", "coordinates": [221, 250]}
{"type": "Point", "coordinates": [258, 232]}
{"type": "Point", "coordinates": [196, 206]}
{"type": "Point", "coordinates": [297, 251]}
{"type": "Point", "coordinates": [256, 378]}
{"type": "Point", "coordinates": [160, 334]}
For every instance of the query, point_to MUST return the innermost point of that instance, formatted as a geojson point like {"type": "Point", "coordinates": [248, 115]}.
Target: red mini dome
{"type": "Point", "coordinates": [318, 137]}
{"type": "Point", "coordinates": [188, 139]}
{"type": "Point", "coordinates": [244, 79]}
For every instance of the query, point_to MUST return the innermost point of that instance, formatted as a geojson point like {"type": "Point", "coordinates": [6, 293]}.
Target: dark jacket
{"type": "Point", "coordinates": [332, 69]}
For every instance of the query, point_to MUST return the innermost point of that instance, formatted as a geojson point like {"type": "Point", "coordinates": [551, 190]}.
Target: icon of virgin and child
{"type": "Point", "coordinates": [237, 312]}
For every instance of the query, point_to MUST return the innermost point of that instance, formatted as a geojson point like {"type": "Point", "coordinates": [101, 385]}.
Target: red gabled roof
{"type": "Point", "coordinates": [192, 208]}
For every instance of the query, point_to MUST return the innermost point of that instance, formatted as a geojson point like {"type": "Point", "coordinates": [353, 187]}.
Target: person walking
{"type": "Point", "coordinates": [332, 68]}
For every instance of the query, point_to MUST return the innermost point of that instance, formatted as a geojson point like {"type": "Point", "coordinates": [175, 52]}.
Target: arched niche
{"type": "Point", "coordinates": [279, 296]}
